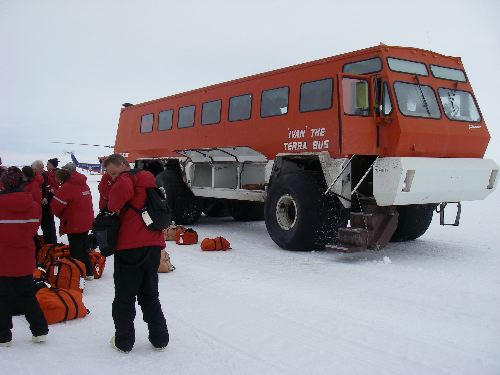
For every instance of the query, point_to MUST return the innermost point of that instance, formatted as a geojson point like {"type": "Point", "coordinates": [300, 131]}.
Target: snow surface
{"type": "Point", "coordinates": [431, 306]}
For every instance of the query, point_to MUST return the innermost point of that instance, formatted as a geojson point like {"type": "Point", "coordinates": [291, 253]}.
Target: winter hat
{"type": "Point", "coordinates": [28, 172]}
{"type": "Point", "coordinates": [54, 162]}
{"type": "Point", "coordinates": [12, 178]}
{"type": "Point", "coordinates": [69, 167]}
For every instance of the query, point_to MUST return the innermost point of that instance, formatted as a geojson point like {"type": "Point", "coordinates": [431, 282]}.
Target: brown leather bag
{"type": "Point", "coordinates": [171, 232]}
{"type": "Point", "coordinates": [165, 264]}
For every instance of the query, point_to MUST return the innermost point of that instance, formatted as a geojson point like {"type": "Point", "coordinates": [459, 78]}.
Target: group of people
{"type": "Point", "coordinates": [29, 199]}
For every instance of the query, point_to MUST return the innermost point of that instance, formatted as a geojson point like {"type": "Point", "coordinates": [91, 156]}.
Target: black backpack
{"type": "Point", "coordinates": [155, 213]}
{"type": "Point", "coordinates": [105, 232]}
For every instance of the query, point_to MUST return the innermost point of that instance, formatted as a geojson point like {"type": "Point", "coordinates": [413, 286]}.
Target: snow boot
{"type": "Point", "coordinates": [113, 345]}
{"type": "Point", "coordinates": [39, 339]}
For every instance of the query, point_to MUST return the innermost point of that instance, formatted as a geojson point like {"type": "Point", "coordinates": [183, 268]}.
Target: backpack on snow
{"type": "Point", "coordinates": [155, 213]}
{"type": "Point", "coordinates": [215, 244]}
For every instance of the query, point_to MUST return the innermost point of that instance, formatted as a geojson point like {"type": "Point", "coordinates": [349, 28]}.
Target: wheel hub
{"type": "Point", "coordinates": [286, 212]}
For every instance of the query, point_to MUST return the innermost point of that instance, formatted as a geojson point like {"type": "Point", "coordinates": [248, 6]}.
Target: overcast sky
{"type": "Point", "coordinates": [67, 66]}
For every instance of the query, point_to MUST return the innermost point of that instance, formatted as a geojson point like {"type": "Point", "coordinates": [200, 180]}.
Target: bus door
{"type": "Point", "coordinates": [358, 127]}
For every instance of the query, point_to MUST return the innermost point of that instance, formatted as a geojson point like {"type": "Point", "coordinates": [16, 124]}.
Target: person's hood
{"type": "Point", "coordinates": [77, 179]}
{"type": "Point", "coordinates": [145, 179]}
{"type": "Point", "coordinates": [17, 202]}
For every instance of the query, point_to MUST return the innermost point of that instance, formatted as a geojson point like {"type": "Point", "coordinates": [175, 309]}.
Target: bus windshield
{"type": "Point", "coordinates": [416, 100]}
{"type": "Point", "coordinates": [459, 105]}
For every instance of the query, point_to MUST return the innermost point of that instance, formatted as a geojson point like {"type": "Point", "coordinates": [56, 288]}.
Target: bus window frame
{"type": "Point", "coordinates": [220, 112]}
{"type": "Point", "coordinates": [179, 113]}
{"type": "Point", "coordinates": [229, 107]}
{"type": "Point", "coordinates": [158, 124]}
{"type": "Point", "coordinates": [358, 61]}
{"type": "Point", "coordinates": [412, 61]}
{"type": "Point", "coordinates": [152, 124]}
{"type": "Point", "coordinates": [287, 102]}
{"type": "Point", "coordinates": [331, 96]}
{"type": "Point", "coordinates": [447, 79]}
{"type": "Point", "coordinates": [424, 117]}
{"type": "Point", "coordinates": [473, 98]}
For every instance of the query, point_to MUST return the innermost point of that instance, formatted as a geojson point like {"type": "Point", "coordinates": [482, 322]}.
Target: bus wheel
{"type": "Point", "coordinates": [185, 207]}
{"type": "Point", "coordinates": [413, 221]}
{"type": "Point", "coordinates": [299, 216]}
{"type": "Point", "coordinates": [247, 210]}
{"type": "Point", "coordinates": [215, 208]}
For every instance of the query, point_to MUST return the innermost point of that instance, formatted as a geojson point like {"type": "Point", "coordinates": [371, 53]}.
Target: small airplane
{"type": "Point", "coordinates": [92, 168]}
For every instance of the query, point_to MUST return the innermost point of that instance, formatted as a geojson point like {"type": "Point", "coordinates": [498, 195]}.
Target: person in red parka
{"type": "Point", "coordinates": [136, 259]}
{"type": "Point", "coordinates": [52, 183]}
{"type": "Point", "coordinates": [48, 225]}
{"type": "Point", "coordinates": [72, 204]}
{"type": "Point", "coordinates": [104, 188]}
{"type": "Point", "coordinates": [19, 222]}
{"type": "Point", "coordinates": [33, 184]}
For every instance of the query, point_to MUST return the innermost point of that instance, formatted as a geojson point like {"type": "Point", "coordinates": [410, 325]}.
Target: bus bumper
{"type": "Point", "coordinates": [408, 180]}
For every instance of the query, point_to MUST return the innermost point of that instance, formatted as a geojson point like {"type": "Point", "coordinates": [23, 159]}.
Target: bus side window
{"type": "Point", "coordinates": [386, 101]}
{"type": "Point", "coordinates": [355, 96]}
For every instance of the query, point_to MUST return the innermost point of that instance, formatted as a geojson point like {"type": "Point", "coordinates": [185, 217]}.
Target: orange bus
{"type": "Point", "coordinates": [349, 151]}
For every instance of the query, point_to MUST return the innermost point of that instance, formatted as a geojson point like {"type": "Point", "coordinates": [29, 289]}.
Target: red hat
{"type": "Point", "coordinates": [12, 178]}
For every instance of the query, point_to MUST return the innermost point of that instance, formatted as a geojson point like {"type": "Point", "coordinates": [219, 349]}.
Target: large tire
{"type": "Point", "coordinates": [215, 208]}
{"type": "Point", "coordinates": [183, 204]}
{"type": "Point", "coordinates": [298, 214]}
{"type": "Point", "coordinates": [413, 221]}
{"type": "Point", "coordinates": [247, 210]}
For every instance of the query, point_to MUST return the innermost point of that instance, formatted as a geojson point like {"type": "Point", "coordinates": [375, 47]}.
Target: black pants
{"type": "Point", "coordinates": [21, 291]}
{"type": "Point", "coordinates": [79, 249]}
{"type": "Point", "coordinates": [136, 275]}
{"type": "Point", "coordinates": [48, 225]}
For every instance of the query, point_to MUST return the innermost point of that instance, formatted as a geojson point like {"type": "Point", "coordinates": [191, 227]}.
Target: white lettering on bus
{"type": "Point", "coordinates": [319, 132]}
{"type": "Point", "coordinates": [320, 145]}
{"type": "Point", "coordinates": [295, 146]}
{"type": "Point", "coordinates": [295, 134]}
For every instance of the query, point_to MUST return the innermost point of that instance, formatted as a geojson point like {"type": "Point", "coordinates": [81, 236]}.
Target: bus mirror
{"type": "Point", "coordinates": [362, 95]}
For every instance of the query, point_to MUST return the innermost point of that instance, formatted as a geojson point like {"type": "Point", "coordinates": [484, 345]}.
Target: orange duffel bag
{"type": "Point", "coordinates": [98, 262]}
{"type": "Point", "coordinates": [51, 252]}
{"type": "Point", "coordinates": [39, 274]}
{"type": "Point", "coordinates": [66, 273]}
{"type": "Point", "coordinates": [188, 237]}
{"type": "Point", "coordinates": [60, 305]}
{"type": "Point", "coordinates": [215, 244]}
{"type": "Point", "coordinates": [171, 232]}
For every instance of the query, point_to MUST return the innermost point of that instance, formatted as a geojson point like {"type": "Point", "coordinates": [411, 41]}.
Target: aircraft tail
{"type": "Point", "coordinates": [73, 159]}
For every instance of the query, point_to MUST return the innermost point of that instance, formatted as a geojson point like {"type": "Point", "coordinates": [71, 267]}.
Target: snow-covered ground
{"type": "Point", "coordinates": [431, 306]}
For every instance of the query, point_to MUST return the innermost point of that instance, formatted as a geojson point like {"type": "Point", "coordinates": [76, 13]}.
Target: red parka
{"type": "Point", "coordinates": [35, 188]}
{"type": "Point", "coordinates": [104, 188]}
{"type": "Point", "coordinates": [52, 184]}
{"type": "Point", "coordinates": [19, 221]}
{"type": "Point", "coordinates": [72, 204]}
{"type": "Point", "coordinates": [133, 231]}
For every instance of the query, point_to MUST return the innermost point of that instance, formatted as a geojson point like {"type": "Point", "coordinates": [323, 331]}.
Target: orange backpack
{"type": "Point", "coordinates": [51, 252]}
{"type": "Point", "coordinates": [60, 305]}
{"type": "Point", "coordinates": [67, 273]}
{"type": "Point", "coordinates": [98, 262]}
{"type": "Point", "coordinates": [171, 232]}
{"type": "Point", "coordinates": [215, 244]}
{"type": "Point", "coordinates": [188, 237]}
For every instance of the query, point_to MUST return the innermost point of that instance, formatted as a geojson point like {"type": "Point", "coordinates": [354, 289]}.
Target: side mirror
{"type": "Point", "coordinates": [362, 101]}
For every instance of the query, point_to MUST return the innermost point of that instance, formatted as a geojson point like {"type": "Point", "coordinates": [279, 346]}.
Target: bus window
{"type": "Point", "coordinates": [448, 73]}
{"type": "Point", "coordinates": [240, 107]}
{"type": "Point", "coordinates": [386, 101]}
{"type": "Point", "coordinates": [355, 96]}
{"type": "Point", "coordinates": [406, 66]}
{"type": "Point", "coordinates": [416, 100]}
{"type": "Point", "coordinates": [186, 117]}
{"type": "Point", "coordinates": [165, 119]}
{"type": "Point", "coordinates": [210, 112]}
{"type": "Point", "coordinates": [363, 67]}
{"type": "Point", "coordinates": [147, 123]}
{"type": "Point", "coordinates": [274, 102]}
{"type": "Point", "coordinates": [316, 95]}
{"type": "Point", "coordinates": [459, 105]}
